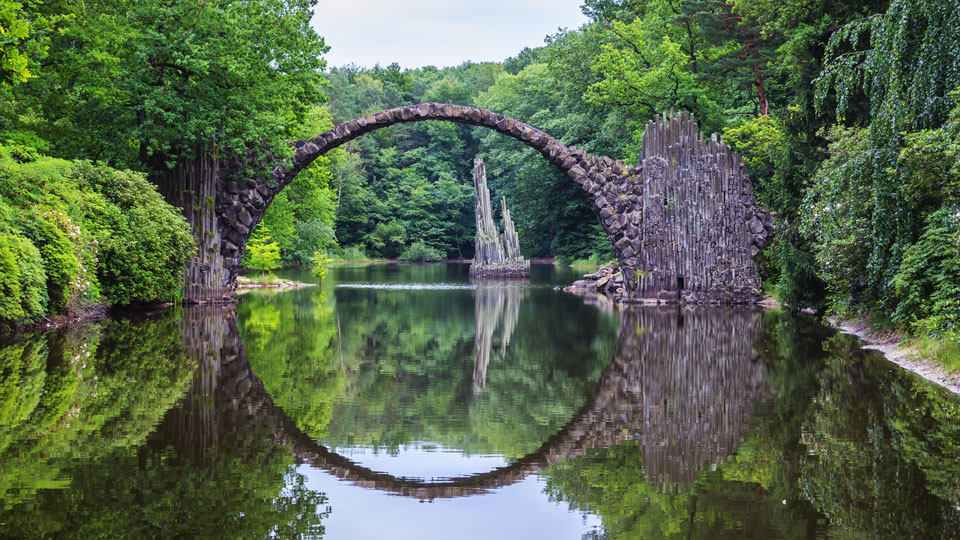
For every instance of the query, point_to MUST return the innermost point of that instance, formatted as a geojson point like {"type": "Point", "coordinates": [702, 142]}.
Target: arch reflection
{"type": "Point", "coordinates": [682, 382]}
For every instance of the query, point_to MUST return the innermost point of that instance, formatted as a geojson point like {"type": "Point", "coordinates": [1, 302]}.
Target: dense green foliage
{"type": "Point", "coordinates": [262, 254]}
{"type": "Point", "coordinates": [72, 232]}
{"type": "Point", "coordinates": [144, 82]}
{"type": "Point", "coordinates": [68, 396]}
{"type": "Point", "coordinates": [841, 111]}
{"type": "Point", "coordinates": [419, 251]}
{"type": "Point", "coordinates": [26, 28]}
{"type": "Point", "coordinates": [895, 182]}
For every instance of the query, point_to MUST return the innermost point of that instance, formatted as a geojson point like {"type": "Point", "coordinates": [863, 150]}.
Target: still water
{"type": "Point", "coordinates": [402, 401]}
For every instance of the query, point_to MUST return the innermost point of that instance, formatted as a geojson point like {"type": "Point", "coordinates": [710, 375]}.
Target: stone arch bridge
{"type": "Point", "coordinates": [681, 382]}
{"type": "Point", "coordinates": [683, 222]}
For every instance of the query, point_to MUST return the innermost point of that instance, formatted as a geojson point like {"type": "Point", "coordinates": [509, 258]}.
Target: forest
{"type": "Point", "coordinates": [845, 113]}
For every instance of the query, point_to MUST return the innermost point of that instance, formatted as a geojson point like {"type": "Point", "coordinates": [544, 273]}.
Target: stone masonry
{"type": "Point", "coordinates": [683, 222]}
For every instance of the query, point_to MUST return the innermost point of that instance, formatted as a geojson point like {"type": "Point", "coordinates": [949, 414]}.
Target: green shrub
{"type": "Point", "coordinates": [10, 286]}
{"type": "Point", "coordinates": [23, 291]}
{"type": "Point", "coordinates": [353, 253]}
{"type": "Point", "coordinates": [312, 236]}
{"type": "Point", "coordinates": [51, 231]}
{"type": "Point", "coordinates": [928, 283]}
{"type": "Point", "coordinates": [837, 218]}
{"type": "Point", "coordinates": [388, 238]}
{"type": "Point", "coordinates": [80, 232]}
{"type": "Point", "coordinates": [262, 253]}
{"type": "Point", "coordinates": [419, 251]}
{"type": "Point", "coordinates": [141, 243]}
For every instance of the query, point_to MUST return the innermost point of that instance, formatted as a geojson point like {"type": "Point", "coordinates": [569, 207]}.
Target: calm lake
{"type": "Point", "coordinates": [404, 402]}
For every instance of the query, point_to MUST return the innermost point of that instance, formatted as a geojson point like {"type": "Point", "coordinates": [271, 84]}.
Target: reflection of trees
{"type": "Point", "coordinates": [495, 303]}
{"type": "Point", "coordinates": [291, 341]}
{"type": "Point", "coordinates": [411, 358]}
{"type": "Point", "coordinates": [207, 471]}
{"type": "Point", "coordinates": [691, 383]}
{"type": "Point", "coordinates": [871, 446]}
{"type": "Point", "coordinates": [80, 395]}
{"type": "Point", "coordinates": [884, 453]}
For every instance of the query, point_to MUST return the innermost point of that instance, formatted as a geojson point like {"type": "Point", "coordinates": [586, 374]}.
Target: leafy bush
{"type": "Point", "coordinates": [143, 242]}
{"type": "Point", "coordinates": [388, 238]}
{"type": "Point", "coordinates": [312, 236]}
{"type": "Point", "coordinates": [262, 254]}
{"type": "Point", "coordinates": [23, 291]}
{"type": "Point", "coordinates": [419, 251]}
{"type": "Point", "coordinates": [320, 263]}
{"type": "Point", "coordinates": [72, 232]}
{"type": "Point", "coordinates": [52, 231]}
{"type": "Point", "coordinates": [836, 216]}
{"type": "Point", "coordinates": [928, 284]}
{"type": "Point", "coordinates": [757, 140]}
{"type": "Point", "coordinates": [353, 253]}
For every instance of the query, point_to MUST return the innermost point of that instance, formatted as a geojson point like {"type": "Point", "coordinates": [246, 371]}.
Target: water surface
{"type": "Point", "coordinates": [402, 401]}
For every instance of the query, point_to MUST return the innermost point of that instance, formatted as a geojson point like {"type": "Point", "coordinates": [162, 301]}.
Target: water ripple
{"type": "Point", "coordinates": [408, 286]}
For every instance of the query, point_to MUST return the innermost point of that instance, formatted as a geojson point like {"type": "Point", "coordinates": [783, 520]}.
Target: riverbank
{"type": "Point", "coordinates": [892, 345]}
{"type": "Point", "coordinates": [87, 314]}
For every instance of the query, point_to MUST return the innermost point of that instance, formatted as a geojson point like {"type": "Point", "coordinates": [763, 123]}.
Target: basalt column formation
{"type": "Point", "coordinates": [496, 256]}
{"type": "Point", "coordinates": [700, 226]}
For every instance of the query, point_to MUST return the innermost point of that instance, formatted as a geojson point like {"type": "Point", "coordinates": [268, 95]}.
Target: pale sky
{"type": "Point", "coordinates": [416, 33]}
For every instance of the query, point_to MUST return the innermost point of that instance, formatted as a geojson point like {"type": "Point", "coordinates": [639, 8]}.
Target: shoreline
{"type": "Point", "coordinates": [246, 284]}
{"type": "Point", "coordinates": [904, 356]}
{"type": "Point", "coordinates": [88, 314]}
{"type": "Point", "coordinates": [535, 260]}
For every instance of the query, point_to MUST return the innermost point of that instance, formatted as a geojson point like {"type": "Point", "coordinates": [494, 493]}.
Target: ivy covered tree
{"type": "Point", "coordinates": [906, 63]}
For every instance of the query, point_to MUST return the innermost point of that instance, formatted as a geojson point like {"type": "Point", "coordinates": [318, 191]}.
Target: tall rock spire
{"type": "Point", "coordinates": [496, 256]}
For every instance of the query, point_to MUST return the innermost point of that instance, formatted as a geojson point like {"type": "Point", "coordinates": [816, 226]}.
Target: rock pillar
{"type": "Point", "coordinates": [495, 256]}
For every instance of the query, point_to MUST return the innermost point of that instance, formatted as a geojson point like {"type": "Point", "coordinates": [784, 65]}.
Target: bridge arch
{"type": "Point", "coordinates": [243, 202]}
{"type": "Point", "coordinates": [684, 223]}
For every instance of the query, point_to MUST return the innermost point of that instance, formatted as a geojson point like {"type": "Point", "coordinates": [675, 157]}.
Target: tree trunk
{"type": "Point", "coordinates": [761, 91]}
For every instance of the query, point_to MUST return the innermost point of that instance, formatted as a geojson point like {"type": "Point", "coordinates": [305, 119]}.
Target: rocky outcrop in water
{"type": "Point", "coordinates": [496, 256]}
{"type": "Point", "coordinates": [603, 287]}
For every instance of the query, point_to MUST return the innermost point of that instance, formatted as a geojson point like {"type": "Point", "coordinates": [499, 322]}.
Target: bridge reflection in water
{"type": "Point", "coordinates": [682, 382]}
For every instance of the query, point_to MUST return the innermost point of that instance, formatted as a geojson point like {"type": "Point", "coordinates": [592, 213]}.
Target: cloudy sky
{"type": "Point", "coordinates": [417, 33]}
